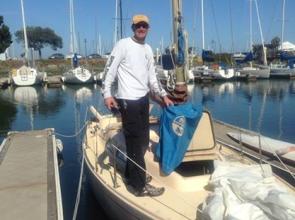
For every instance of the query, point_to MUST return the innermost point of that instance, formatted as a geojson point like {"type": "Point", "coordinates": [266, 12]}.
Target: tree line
{"type": "Point", "coordinates": [38, 37]}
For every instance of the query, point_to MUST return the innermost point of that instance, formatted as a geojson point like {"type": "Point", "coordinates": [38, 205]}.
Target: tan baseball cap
{"type": "Point", "coordinates": [140, 18]}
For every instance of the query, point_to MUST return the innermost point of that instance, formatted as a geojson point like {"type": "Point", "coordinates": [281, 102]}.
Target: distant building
{"type": "Point", "coordinates": [287, 46]}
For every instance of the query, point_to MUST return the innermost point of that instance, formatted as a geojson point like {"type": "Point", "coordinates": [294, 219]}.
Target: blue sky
{"type": "Point", "coordinates": [226, 21]}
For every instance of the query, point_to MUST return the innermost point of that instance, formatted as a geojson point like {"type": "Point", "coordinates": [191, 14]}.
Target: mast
{"type": "Point", "coordinates": [73, 39]}
{"type": "Point", "coordinates": [118, 33]}
{"type": "Point", "coordinates": [71, 30]}
{"type": "Point", "coordinates": [179, 94]}
{"type": "Point", "coordinates": [121, 19]}
{"type": "Point", "coordinates": [25, 32]}
{"type": "Point", "coordinates": [116, 23]}
{"type": "Point", "coordinates": [250, 27]}
{"type": "Point", "coordinates": [203, 27]}
{"type": "Point", "coordinates": [175, 23]}
{"type": "Point", "coordinates": [261, 34]}
{"type": "Point", "coordinates": [283, 24]}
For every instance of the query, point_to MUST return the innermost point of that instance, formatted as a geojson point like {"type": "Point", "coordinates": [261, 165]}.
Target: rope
{"type": "Point", "coordinates": [74, 135]}
{"type": "Point", "coordinates": [280, 160]}
{"type": "Point", "coordinates": [81, 129]}
{"type": "Point", "coordinates": [82, 166]}
{"type": "Point", "coordinates": [79, 189]}
{"type": "Point", "coordinates": [289, 171]}
{"type": "Point", "coordinates": [170, 84]}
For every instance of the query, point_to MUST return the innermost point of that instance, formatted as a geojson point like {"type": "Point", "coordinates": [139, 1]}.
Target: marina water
{"type": "Point", "coordinates": [265, 106]}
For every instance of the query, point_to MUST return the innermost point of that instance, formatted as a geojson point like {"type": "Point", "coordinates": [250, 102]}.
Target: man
{"type": "Point", "coordinates": [131, 63]}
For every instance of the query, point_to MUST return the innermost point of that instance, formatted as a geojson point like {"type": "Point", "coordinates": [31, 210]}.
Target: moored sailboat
{"type": "Point", "coordinates": [260, 71]}
{"type": "Point", "coordinates": [77, 74]}
{"type": "Point", "coordinates": [26, 75]}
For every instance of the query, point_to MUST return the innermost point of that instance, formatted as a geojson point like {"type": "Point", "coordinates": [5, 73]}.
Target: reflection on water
{"type": "Point", "coordinates": [26, 95]}
{"type": "Point", "coordinates": [266, 106]}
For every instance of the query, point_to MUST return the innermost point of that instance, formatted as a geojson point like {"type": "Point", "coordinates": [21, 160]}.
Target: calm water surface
{"type": "Point", "coordinates": [266, 106]}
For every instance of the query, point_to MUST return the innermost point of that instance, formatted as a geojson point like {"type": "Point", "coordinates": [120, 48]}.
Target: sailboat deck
{"type": "Point", "coordinates": [183, 194]}
{"type": "Point", "coordinates": [175, 203]}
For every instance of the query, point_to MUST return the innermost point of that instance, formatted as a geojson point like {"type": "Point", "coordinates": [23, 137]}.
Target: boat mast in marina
{"type": "Point", "coordinates": [261, 34]}
{"type": "Point", "coordinates": [73, 39]}
{"type": "Point", "coordinates": [179, 94]}
{"type": "Point", "coordinates": [118, 30]}
{"type": "Point", "coordinates": [25, 33]}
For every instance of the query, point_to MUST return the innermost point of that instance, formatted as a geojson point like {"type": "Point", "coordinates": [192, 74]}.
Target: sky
{"type": "Point", "coordinates": [226, 22]}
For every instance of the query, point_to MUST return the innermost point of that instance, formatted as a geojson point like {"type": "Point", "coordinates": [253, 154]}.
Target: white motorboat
{"type": "Point", "coordinates": [188, 190]}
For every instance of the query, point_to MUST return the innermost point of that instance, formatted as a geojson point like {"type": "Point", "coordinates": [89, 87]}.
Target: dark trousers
{"type": "Point", "coordinates": [135, 119]}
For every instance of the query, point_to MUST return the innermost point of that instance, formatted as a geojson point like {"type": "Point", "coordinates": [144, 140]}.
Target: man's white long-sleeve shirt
{"type": "Point", "coordinates": [132, 64]}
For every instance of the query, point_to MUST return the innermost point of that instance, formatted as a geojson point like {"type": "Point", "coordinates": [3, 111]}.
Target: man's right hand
{"type": "Point", "coordinates": [110, 103]}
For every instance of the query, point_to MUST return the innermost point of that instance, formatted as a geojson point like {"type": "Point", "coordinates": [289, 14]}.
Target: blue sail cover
{"type": "Point", "coordinates": [181, 47]}
{"type": "Point", "coordinates": [285, 56]}
{"type": "Point", "coordinates": [290, 58]}
{"type": "Point", "coordinates": [249, 57]}
{"type": "Point", "coordinates": [291, 63]}
{"type": "Point", "coordinates": [207, 55]}
{"type": "Point", "coordinates": [177, 126]}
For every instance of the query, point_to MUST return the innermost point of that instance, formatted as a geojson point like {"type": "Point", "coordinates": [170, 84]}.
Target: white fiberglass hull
{"type": "Point", "coordinates": [27, 76]}
{"type": "Point", "coordinates": [282, 72]}
{"type": "Point", "coordinates": [221, 74]}
{"type": "Point", "coordinates": [78, 75]}
{"type": "Point", "coordinates": [253, 72]}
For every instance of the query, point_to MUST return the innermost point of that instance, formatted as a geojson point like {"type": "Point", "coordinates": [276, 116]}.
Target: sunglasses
{"type": "Point", "coordinates": [143, 25]}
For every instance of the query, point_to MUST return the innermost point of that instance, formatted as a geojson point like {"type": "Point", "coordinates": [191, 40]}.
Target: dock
{"type": "Point", "coordinates": [283, 170]}
{"type": "Point", "coordinates": [54, 81]}
{"type": "Point", "coordinates": [29, 176]}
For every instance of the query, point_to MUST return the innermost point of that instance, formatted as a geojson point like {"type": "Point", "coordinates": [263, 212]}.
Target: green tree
{"type": "Point", "coordinates": [39, 37]}
{"type": "Point", "coordinates": [275, 43]}
{"type": "Point", "coordinates": [5, 36]}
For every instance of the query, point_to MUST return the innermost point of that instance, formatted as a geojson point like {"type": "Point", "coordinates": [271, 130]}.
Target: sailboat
{"type": "Point", "coordinates": [282, 70]}
{"type": "Point", "coordinates": [263, 71]}
{"type": "Point", "coordinates": [217, 73]}
{"type": "Point", "coordinates": [200, 187]}
{"type": "Point", "coordinates": [77, 74]}
{"type": "Point", "coordinates": [26, 75]}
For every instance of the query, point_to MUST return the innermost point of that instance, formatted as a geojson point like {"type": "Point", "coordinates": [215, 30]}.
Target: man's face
{"type": "Point", "coordinates": [141, 30]}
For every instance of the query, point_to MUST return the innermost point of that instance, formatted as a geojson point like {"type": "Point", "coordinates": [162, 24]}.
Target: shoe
{"type": "Point", "coordinates": [152, 190]}
{"type": "Point", "coordinates": [148, 178]}
{"type": "Point", "coordinates": [148, 190]}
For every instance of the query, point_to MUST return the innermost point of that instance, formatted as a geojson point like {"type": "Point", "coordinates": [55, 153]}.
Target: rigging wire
{"type": "Point", "coordinates": [231, 27]}
{"type": "Point", "coordinates": [215, 24]}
